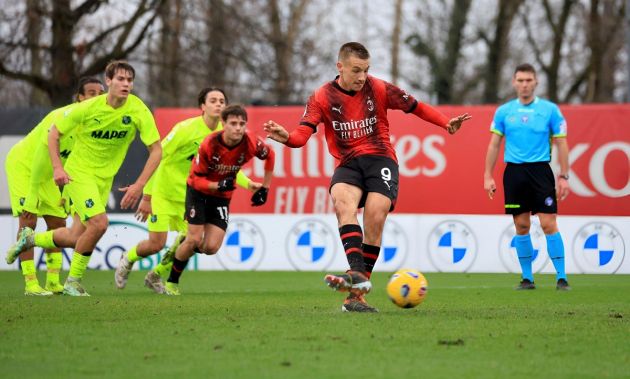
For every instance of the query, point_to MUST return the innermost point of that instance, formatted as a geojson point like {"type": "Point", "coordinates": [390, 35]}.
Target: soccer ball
{"type": "Point", "coordinates": [407, 288]}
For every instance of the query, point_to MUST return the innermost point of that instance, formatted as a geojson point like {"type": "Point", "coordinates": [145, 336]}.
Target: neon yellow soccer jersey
{"type": "Point", "coordinates": [31, 165]}
{"type": "Point", "coordinates": [26, 148]}
{"type": "Point", "coordinates": [179, 148]}
{"type": "Point", "coordinates": [103, 134]}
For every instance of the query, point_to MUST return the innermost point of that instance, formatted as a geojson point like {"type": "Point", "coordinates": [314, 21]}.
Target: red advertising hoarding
{"type": "Point", "coordinates": [440, 173]}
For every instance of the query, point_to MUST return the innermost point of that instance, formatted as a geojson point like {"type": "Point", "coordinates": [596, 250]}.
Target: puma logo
{"type": "Point", "coordinates": [338, 109]}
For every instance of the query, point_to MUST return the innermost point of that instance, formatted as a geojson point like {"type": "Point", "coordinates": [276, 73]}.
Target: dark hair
{"type": "Point", "coordinates": [201, 98]}
{"type": "Point", "coordinates": [234, 110]}
{"type": "Point", "coordinates": [86, 80]}
{"type": "Point", "coordinates": [114, 66]}
{"type": "Point", "coordinates": [525, 67]}
{"type": "Point", "coordinates": [353, 48]}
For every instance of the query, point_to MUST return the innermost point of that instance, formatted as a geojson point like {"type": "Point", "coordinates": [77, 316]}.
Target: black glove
{"type": "Point", "coordinates": [260, 197]}
{"type": "Point", "coordinates": [226, 184]}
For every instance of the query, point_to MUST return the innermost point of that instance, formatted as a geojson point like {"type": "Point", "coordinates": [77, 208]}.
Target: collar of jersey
{"type": "Point", "coordinates": [518, 101]}
{"type": "Point", "coordinates": [337, 86]}
{"type": "Point", "coordinates": [220, 137]}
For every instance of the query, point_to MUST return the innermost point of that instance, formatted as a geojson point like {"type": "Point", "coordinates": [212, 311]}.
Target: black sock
{"type": "Point", "coordinates": [370, 255]}
{"type": "Point", "coordinates": [176, 270]}
{"type": "Point", "coordinates": [352, 239]}
{"type": "Point", "coordinates": [87, 254]}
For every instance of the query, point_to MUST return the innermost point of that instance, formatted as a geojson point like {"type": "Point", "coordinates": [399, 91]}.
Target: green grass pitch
{"type": "Point", "coordinates": [289, 325]}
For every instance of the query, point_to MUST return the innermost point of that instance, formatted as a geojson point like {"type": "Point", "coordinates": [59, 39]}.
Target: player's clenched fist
{"type": "Point", "coordinates": [260, 197]}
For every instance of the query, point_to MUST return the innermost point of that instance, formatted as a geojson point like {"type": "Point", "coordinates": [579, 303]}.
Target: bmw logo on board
{"type": "Point", "coordinates": [452, 246]}
{"type": "Point", "coordinates": [311, 245]}
{"type": "Point", "coordinates": [598, 248]}
{"type": "Point", "coordinates": [243, 246]}
{"type": "Point", "coordinates": [507, 250]}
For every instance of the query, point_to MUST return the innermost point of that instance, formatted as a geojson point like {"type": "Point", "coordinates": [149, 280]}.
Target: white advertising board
{"type": "Point", "coordinates": [430, 243]}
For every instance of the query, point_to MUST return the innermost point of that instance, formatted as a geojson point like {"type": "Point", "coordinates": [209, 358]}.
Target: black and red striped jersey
{"type": "Point", "coordinates": [356, 122]}
{"type": "Point", "coordinates": [216, 161]}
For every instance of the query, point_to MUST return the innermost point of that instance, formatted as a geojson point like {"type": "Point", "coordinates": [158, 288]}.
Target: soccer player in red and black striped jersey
{"type": "Point", "coordinates": [210, 185]}
{"type": "Point", "coordinates": [353, 109]}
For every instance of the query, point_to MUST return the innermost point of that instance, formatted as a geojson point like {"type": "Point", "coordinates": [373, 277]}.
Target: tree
{"type": "Point", "coordinates": [498, 48]}
{"type": "Point", "coordinates": [63, 58]}
{"type": "Point", "coordinates": [444, 66]}
{"type": "Point", "coordinates": [396, 33]}
{"type": "Point", "coordinates": [605, 19]}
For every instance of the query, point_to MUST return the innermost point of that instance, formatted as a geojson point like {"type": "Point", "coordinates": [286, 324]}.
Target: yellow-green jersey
{"type": "Point", "coordinates": [29, 168]}
{"type": "Point", "coordinates": [41, 165]}
{"type": "Point", "coordinates": [25, 149]}
{"type": "Point", "coordinates": [103, 134]}
{"type": "Point", "coordinates": [179, 148]}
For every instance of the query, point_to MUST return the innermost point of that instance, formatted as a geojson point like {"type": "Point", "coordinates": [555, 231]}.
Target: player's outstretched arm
{"type": "Point", "coordinates": [455, 123]}
{"type": "Point", "coordinates": [133, 192]}
{"type": "Point", "coordinates": [276, 131]}
{"type": "Point", "coordinates": [297, 138]}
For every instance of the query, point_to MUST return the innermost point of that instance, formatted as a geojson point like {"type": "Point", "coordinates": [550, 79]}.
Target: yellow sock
{"type": "Point", "coordinates": [163, 270]}
{"type": "Point", "coordinates": [78, 265]}
{"type": "Point", "coordinates": [28, 270]}
{"type": "Point", "coordinates": [54, 259]}
{"type": "Point", "coordinates": [132, 254]}
{"type": "Point", "coordinates": [45, 240]}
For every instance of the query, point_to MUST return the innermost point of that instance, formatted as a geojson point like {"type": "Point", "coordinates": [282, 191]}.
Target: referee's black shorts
{"type": "Point", "coordinates": [371, 173]}
{"type": "Point", "coordinates": [529, 187]}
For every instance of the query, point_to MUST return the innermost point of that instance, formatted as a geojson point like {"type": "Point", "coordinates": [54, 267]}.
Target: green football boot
{"type": "Point", "coordinates": [36, 290]}
{"type": "Point", "coordinates": [172, 289]}
{"type": "Point", "coordinates": [74, 288]}
{"type": "Point", "coordinates": [54, 287]}
{"type": "Point", "coordinates": [25, 241]}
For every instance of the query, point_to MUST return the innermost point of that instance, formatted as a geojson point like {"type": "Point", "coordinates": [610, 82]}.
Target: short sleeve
{"type": "Point", "coordinates": [72, 117]}
{"type": "Point", "coordinates": [498, 122]}
{"type": "Point", "coordinates": [148, 130]}
{"type": "Point", "coordinates": [558, 123]}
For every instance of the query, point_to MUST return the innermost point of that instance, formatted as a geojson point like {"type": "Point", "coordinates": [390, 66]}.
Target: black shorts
{"type": "Point", "coordinates": [529, 187]}
{"type": "Point", "coordinates": [204, 209]}
{"type": "Point", "coordinates": [371, 173]}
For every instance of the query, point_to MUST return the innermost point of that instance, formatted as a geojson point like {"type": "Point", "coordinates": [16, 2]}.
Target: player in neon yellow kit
{"type": "Point", "coordinates": [104, 127]}
{"type": "Point", "coordinates": [34, 193]}
{"type": "Point", "coordinates": [163, 203]}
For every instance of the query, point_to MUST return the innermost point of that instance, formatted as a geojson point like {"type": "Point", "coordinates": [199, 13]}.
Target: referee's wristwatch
{"type": "Point", "coordinates": [565, 177]}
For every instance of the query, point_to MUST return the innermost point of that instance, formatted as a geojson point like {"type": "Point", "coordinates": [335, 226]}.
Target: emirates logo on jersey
{"type": "Point", "coordinates": [354, 129]}
{"type": "Point", "coordinates": [224, 168]}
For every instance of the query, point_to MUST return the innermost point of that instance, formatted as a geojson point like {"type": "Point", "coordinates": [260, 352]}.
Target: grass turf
{"type": "Point", "coordinates": [288, 324]}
